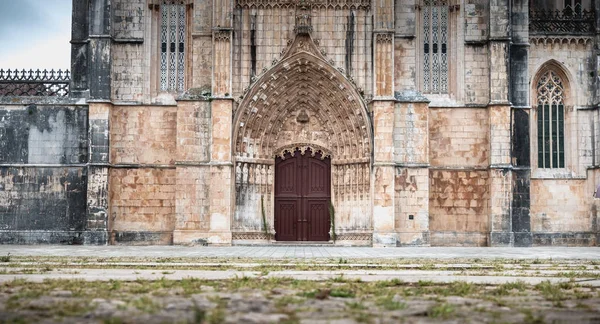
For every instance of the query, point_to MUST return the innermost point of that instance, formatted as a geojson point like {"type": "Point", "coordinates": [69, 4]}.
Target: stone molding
{"type": "Point", "coordinates": [354, 237]}
{"type": "Point", "coordinates": [246, 236]}
{"type": "Point", "coordinates": [329, 4]}
{"type": "Point", "coordinates": [561, 40]}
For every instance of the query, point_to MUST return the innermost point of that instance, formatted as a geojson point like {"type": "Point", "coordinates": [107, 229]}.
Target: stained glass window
{"type": "Point", "coordinates": [172, 46]}
{"type": "Point", "coordinates": [435, 46]}
{"type": "Point", "coordinates": [550, 121]}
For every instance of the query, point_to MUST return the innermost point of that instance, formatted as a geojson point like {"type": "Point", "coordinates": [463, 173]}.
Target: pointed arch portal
{"type": "Point", "coordinates": [302, 102]}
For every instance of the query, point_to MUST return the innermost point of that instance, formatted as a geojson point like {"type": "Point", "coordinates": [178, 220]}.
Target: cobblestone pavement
{"type": "Point", "coordinates": [266, 252]}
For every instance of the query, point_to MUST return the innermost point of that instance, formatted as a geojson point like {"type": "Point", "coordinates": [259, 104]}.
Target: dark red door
{"type": "Point", "coordinates": [302, 194]}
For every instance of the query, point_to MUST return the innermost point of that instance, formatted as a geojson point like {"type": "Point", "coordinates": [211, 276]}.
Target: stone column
{"type": "Point", "coordinates": [383, 169]}
{"type": "Point", "coordinates": [221, 166]}
{"type": "Point", "coordinates": [221, 170]}
{"type": "Point", "coordinates": [97, 178]}
{"type": "Point", "coordinates": [192, 203]}
{"type": "Point", "coordinates": [519, 97]}
{"type": "Point", "coordinates": [500, 176]}
{"type": "Point", "coordinates": [99, 49]}
{"type": "Point", "coordinates": [500, 117]}
{"type": "Point", "coordinates": [194, 132]}
{"type": "Point", "coordinates": [99, 83]}
{"type": "Point", "coordinates": [383, 123]}
{"type": "Point", "coordinates": [79, 48]}
{"type": "Point", "coordinates": [411, 182]}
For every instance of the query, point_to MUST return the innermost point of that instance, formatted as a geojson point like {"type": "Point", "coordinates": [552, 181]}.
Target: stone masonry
{"type": "Point", "coordinates": [431, 113]}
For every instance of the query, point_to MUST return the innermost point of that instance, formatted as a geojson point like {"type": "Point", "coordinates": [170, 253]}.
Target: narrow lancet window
{"type": "Point", "coordinates": [172, 47]}
{"type": "Point", "coordinates": [550, 121]}
{"type": "Point", "coordinates": [435, 46]}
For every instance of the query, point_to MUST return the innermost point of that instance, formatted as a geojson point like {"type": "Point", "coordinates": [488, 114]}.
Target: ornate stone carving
{"type": "Point", "coordinates": [302, 147]}
{"type": "Point", "coordinates": [332, 4]}
{"type": "Point", "coordinates": [355, 237]}
{"type": "Point", "coordinates": [303, 102]}
{"type": "Point", "coordinates": [302, 81]}
{"type": "Point", "coordinates": [384, 38]}
{"type": "Point", "coordinates": [222, 35]}
{"type": "Point", "coordinates": [561, 40]}
{"type": "Point", "coordinates": [303, 20]}
{"type": "Point", "coordinates": [302, 117]}
{"type": "Point", "coordinates": [251, 236]}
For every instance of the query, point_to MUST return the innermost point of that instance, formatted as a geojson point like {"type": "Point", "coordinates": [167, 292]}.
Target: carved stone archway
{"type": "Point", "coordinates": [302, 101]}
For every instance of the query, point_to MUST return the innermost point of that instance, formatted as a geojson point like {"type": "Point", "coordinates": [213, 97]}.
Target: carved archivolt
{"type": "Point", "coordinates": [302, 100]}
{"type": "Point", "coordinates": [302, 147]}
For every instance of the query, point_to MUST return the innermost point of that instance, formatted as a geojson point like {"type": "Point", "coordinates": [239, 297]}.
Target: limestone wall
{"type": "Point", "coordinates": [411, 214]}
{"type": "Point", "coordinates": [43, 176]}
{"type": "Point", "coordinates": [459, 207]}
{"type": "Point", "coordinates": [143, 135]}
{"type": "Point", "coordinates": [458, 179]}
{"type": "Point", "coordinates": [563, 212]}
{"type": "Point", "coordinates": [142, 205]}
{"type": "Point", "coordinates": [458, 137]}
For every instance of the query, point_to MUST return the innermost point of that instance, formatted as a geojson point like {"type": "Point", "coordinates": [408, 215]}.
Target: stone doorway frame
{"type": "Point", "coordinates": [300, 74]}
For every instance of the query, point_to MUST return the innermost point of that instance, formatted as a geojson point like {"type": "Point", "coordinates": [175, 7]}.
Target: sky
{"type": "Point", "coordinates": [35, 34]}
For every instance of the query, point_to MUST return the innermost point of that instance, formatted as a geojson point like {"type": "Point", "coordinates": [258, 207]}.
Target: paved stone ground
{"type": "Point", "coordinates": [265, 252]}
{"type": "Point", "coordinates": [298, 284]}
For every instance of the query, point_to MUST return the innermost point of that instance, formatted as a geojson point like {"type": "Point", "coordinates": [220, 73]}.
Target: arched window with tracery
{"type": "Point", "coordinates": [551, 121]}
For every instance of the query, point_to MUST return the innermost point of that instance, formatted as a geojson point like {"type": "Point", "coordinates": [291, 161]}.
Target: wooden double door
{"type": "Point", "coordinates": [302, 195]}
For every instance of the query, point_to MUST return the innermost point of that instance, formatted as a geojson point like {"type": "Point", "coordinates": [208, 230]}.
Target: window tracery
{"type": "Point", "coordinates": [434, 15]}
{"type": "Point", "coordinates": [172, 46]}
{"type": "Point", "coordinates": [550, 121]}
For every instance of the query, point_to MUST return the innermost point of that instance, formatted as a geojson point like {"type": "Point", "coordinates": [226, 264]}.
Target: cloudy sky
{"type": "Point", "coordinates": [35, 34]}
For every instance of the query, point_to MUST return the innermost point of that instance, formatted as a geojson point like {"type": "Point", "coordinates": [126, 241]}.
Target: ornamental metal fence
{"type": "Point", "coordinates": [34, 83]}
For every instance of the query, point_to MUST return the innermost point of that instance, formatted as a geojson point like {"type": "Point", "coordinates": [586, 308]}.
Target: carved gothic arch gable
{"type": "Point", "coordinates": [303, 93]}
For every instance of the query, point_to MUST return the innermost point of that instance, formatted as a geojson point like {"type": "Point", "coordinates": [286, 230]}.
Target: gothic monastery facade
{"type": "Point", "coordinates": [346, 122]}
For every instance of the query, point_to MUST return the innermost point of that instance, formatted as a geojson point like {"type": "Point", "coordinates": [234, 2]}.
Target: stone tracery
{"type": "Point", "coordinates": [301, 102]}
{"type": "Point", "coordinates": [302, 81]}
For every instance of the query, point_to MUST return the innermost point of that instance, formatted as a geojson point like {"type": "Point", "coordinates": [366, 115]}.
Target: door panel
{"type": "Point", "coordinates": [287, 215]}
{"type": "Point", "coordinates": [318, 219]}
{"type": "Point", "coordinates": [286, 180]}
{"type": "Point", "coordinates": [318, 175]}
{"type": "Point", "coordinates": [302, 194]}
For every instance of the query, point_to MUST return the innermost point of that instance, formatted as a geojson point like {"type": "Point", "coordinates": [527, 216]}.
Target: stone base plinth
{"type": "Point", "coordinates": [213, 238]}
{"type": "Point", "coordinates": [385, 239]}
{"type": "Point", "coordinates": [54, 237]}
{"type": "Point", "coordinates": [413, 239]}
{"type": "Point", "coordinates": [501, 239]}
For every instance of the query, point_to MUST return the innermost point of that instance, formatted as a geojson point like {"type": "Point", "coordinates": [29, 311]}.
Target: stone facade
{"type": "Point", "coordinates": [430, 111]}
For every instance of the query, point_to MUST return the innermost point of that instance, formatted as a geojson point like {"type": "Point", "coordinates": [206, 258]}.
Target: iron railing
{"type": "Point", "coordinates": [34, 83]}
{"type": "Point", "coordinates": [569, 21]}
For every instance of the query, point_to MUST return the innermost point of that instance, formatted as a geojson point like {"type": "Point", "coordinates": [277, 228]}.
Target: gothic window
{"type": "Point", "coordinates": [435, 46]}
{"type": "Point", "coordinates": [573, 7]}
{"type": "Point", "coordinates": [172, 45]}
{"type": "Point", "coordinates": [550, 121]}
